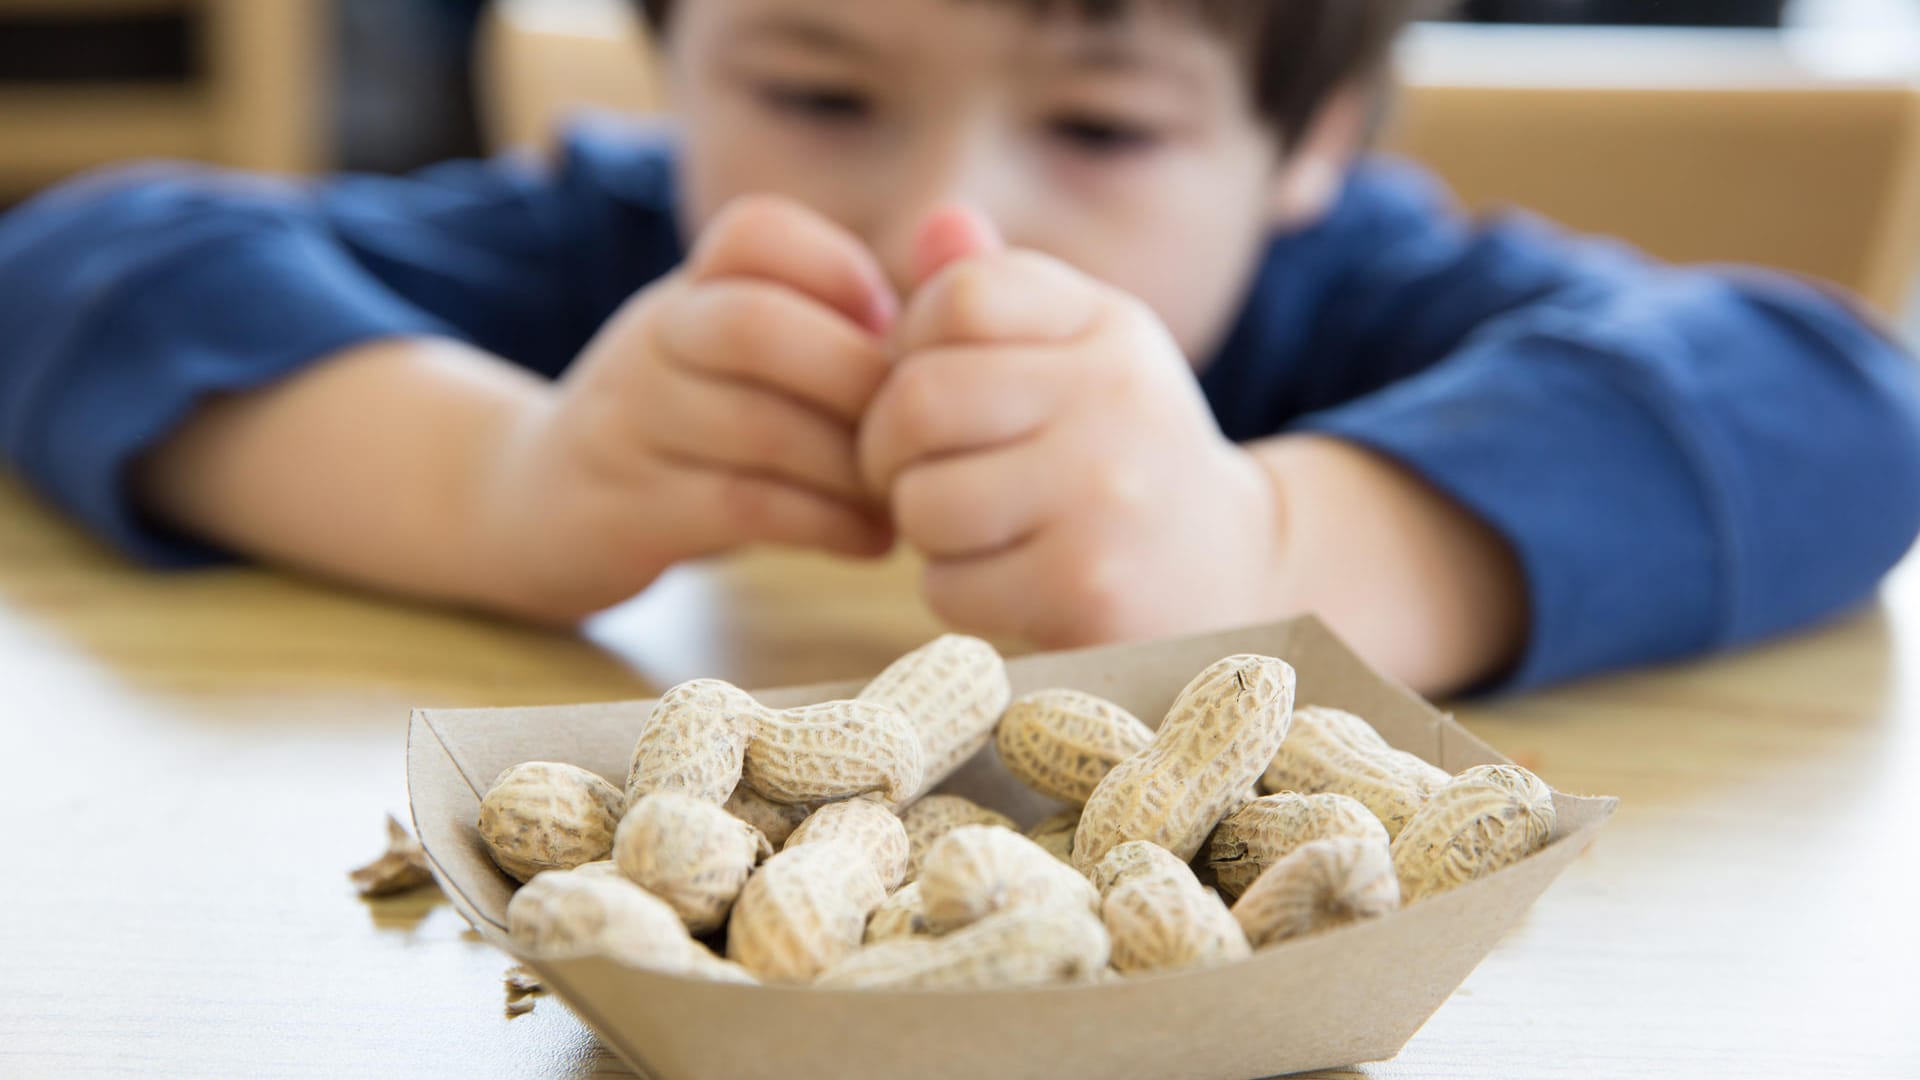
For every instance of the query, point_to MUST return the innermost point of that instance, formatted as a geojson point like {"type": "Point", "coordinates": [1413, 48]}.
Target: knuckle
{"type": "Point", "coordinates": [1095, 601]}
{"type": "Point", "coordinates": [1120, 489]}
{"type": "Point", "coordinates": [763, 434]}
{"type": "Point", "coordinates": [734, 328]}
{"type": "Point", "coordinates": [935, 514]}
{"type": "Point", "coordinates": [914, 398]}
{"type": "Point", "coordinates": [743, 503]}
{"type": "Point", "coordinates": [749, 216]}
{"type": "Point", "coordinates": [749, 326]}
{"type": "Point", "coordinates": [916, 506]}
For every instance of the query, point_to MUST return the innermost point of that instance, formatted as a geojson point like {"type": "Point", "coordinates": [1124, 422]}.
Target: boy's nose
{"type": "Point", "coordinates": [923, 241]}
{"type": "Point", "coordinates": [952, 232]}
{"type": "Point", "coordinates": [969, 177]}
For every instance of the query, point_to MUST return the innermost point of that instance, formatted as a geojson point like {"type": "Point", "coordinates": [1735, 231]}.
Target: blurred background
{"type": "Point", "coordinates": [1781, 132]}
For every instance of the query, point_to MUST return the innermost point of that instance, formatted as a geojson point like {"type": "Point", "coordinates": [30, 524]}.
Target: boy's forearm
{"type": "Point", "coordinates": [1414, 581]}
{"type": "Point", "coordinates": [368, 466]}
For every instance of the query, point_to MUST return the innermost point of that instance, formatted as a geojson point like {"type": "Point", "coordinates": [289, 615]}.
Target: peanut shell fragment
{"type": "Point", "coordinates": [899, 917]}
{"type": "Point", "coordinates": [776, 821]}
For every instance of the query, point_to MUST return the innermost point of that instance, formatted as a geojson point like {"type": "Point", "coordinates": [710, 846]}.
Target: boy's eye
{"type": "Point", "coordinates": [831, 104]}
{"type": "Point", "coordinates": [1096, 135]}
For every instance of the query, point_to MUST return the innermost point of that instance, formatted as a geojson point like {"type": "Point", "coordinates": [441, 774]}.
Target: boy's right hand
{"type": "Point", "coordinates": [718, 408]}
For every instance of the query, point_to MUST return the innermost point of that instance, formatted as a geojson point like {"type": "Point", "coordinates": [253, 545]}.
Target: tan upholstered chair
{"type": "Point", "coordinates": [256, 103]}
{"type": "Point", "coordinates": [1699, 146]}
{"type": "Point", "coordinates": [540, 60]}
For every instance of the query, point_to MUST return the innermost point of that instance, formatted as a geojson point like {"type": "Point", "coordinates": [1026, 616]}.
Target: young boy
{"type": "Point", "coordinates": [1089, 302]}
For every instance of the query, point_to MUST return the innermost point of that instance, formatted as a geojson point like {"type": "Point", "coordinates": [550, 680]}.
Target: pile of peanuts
{"type": "Point", "coordinates": [800, 846]}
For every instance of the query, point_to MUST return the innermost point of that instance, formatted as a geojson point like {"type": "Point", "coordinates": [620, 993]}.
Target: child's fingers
{"type": "Point", "coordinates": [737, 425]}
{"type": "Point", "coordinates": [780, 240]}
{"type": "Point", "coordinates": [717, 510]}
{"type": "Point", "coordinates": [765, 333]}
{"type": "Point", "coordinates": [973, 504]}
{"type": "Point", "coordinates": [949, 401]}
{"type": "Point", "coordinates": [950, 234]}
{"type": "Point", "coordinates": [1012, 296]}
{"type": "Point", "coordinates": [1027, 591]}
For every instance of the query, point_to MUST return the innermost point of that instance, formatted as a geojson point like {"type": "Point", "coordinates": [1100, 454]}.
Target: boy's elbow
{"type": "Point", "coordinates": [1824, 436]}
{"type": "Point", "coordinates": [1869, 515]}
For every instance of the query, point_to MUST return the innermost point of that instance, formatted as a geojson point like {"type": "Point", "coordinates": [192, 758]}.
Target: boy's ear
{"type": "Point", "coordinates": [1312, 171]}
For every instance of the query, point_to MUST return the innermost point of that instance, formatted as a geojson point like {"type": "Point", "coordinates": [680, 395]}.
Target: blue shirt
{"type": "Point", "coordinates": [1682, 459]}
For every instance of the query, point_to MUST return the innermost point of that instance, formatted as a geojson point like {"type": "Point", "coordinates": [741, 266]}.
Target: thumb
{"type": "Point", "coordinates": [953, 232]}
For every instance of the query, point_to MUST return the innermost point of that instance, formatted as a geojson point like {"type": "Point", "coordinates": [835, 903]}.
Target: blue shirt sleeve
{"type": "Point", "coordinates": [1680, 459]}
{"type": "Point", "coordinates": [128, 298]}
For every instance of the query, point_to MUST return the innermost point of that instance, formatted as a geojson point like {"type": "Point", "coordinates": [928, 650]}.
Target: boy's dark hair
{"type": "Point", "coordinates": [1297, 53]}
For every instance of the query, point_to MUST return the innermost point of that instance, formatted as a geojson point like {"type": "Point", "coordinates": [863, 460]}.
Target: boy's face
{"type": "Point", "coordinates": [1127, 148]}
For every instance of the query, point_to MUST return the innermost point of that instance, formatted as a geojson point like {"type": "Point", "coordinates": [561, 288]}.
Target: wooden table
{"type": "Point", "coordinates": [194, 762]}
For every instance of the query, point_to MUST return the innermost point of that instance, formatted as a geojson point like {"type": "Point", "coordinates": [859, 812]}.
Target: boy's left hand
{"type": "Point", "coordinates": [1043, 442]}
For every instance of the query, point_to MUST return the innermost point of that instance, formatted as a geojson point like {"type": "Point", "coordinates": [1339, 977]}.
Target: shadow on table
{"type": "Point", "coordinates": [246, 632]}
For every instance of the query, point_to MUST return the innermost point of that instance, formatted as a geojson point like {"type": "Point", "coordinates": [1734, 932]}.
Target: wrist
{"type": "Point", "coordinates": [508, 515]}
{"type": "Point", "coordinates": [1416, 582]}
{"type": "Point", "coordinates": [1266, 583]}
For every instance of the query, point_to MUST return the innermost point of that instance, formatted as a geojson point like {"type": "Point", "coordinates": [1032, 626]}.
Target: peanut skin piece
{"type": "Point", "coordinates": [1220, 734]}
{"type": "Point", "coordinates": [1267, 829]}
{"type": "Point", "coordinates": [689, 853]}
{"type": "Point", "coordinates": [1022, 947]}
{"type": "Point", "coordinates": [694, 742]}
{"type": "Point", "coordinates": [776, 821]}
{"type": "Point", "coordinates": [544, 815]}
{"type": "Point", "coordinates": [803, 910]}
{"type": "Point", "coordinates": [1488, 817]}
{"type": "Point", "coordinates": [937, 815]}
{"type": "Point", "coordinates": [869, 826]}
{"type": "Point", "coordinates": [1320, 885]}
{"type": "Point", "coordinates": [1062, 743]}
{"type": "Point", "coordinates": [833, 750]}
{"type": "Point", "coordinates": [899, 917]}
{"type": "Point", "coordinates": [977, 870]}
{"type": "Point", "coordinates": [1055, 834]}
{"type": "Point", "coordinates": [1159, 916]}
{"type": "Point", "coordinates": [570, 913]}
{"type": "Point", "coordinates": [952, 691]}
{"type": "Point", "coordinates": [1331, 750]}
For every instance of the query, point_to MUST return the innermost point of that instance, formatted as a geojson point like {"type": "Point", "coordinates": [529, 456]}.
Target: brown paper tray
{"type": "Point", "coordinates": [1350, 995]}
